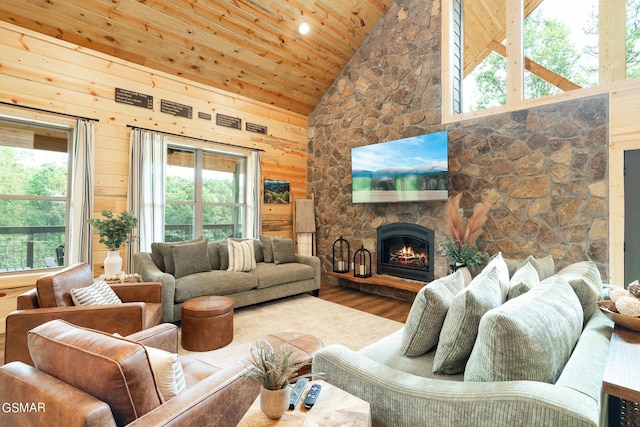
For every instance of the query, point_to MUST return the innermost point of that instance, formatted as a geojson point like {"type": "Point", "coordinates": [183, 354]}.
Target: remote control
{"type": "Point", "coordinates": [296, 393]}
{"type": "Point", "coordinates": [312, 396]}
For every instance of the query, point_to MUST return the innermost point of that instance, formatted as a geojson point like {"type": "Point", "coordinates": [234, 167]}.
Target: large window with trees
{"type": "Point", "coordinates": [34, 199]}
{"type": "Point", "coordinates": [205, 194]}
{"type": "Point", "coordinates": [500, 52]}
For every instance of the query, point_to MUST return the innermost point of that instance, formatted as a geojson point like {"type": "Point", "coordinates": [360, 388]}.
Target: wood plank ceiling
{"type": "Point", "coordinates": [248, 47]}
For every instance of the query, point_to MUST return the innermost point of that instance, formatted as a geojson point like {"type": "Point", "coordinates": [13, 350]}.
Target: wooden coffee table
{"type": "Point", "coordinates": [334, 407]}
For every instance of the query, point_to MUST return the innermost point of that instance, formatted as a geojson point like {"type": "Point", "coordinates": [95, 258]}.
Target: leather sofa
{"type": "Point", "coordinates": [51, 299]}
{"type": "Point", "coordinates": [85, 378]}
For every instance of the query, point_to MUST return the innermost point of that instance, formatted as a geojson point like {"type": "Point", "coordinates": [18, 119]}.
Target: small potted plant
{"type": "Point", "coordinates": [115, 231]}
{"type": "Point", "coordinates": [460, 247]}
{"type": "Point", "coordinates": [274, 369]}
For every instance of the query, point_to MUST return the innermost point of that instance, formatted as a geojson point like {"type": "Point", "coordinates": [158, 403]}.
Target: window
{"type": "Point", "coordinates": [34, 200]}
{"type": "Point", "coordinates": [558, 46]}
{"type": "Point", "coordinates": [205, 194]}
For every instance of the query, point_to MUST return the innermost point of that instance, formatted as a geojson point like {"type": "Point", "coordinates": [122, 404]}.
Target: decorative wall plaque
{"type": "Point", "coordinates": [176, 109]}
{"type": "Point", "coordinates": [228, 121]}
{"type": "Point", "coordinates": [137, 99]}
{"type": "Point", "coordinates": [252, 127]}
{"type": "Point", "coordinates": [204, 116]}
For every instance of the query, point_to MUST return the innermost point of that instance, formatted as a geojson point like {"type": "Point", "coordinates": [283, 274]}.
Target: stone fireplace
{"type": "Point", "coordinates": [406, 250]}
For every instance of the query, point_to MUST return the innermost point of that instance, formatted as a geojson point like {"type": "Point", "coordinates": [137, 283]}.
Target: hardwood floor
{"type": "Point", "coordinates": [379, 305]}
{"type": "Point", "coordinates": [382, 306]}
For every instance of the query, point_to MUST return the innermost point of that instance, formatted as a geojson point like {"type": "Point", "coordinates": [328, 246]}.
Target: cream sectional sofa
{"type": "Point", "coordinates": [466, 358]}
{"type": "Point", "coordinates": [198, 267]}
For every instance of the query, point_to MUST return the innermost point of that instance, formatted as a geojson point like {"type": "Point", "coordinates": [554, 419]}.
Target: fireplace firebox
{"type": "Point", "coordinates": [406, 250]}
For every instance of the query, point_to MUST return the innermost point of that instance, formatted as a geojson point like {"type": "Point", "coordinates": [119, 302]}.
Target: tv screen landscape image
{"type": "Point", "coordinates": [405, 170]}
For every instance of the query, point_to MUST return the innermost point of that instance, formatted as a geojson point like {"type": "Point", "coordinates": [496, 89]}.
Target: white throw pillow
{"type": "Point", "coordinates": [168, 372]}
{"type": "Point", "coordinates": [241, 255]}
{"type": "Point", "coordinates": [99, 293]}
{"type": "Point", "coordinates": [503, 273]}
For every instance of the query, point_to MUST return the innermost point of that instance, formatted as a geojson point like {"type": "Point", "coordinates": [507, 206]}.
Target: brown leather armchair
{"type": "Point", "coordinates": [51, 299]}
{"type": "Point", "coordinates": [85, 377]}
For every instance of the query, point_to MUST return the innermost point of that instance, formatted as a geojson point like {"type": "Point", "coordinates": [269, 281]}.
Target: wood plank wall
{"type": "Point", "coordinates": [42, 72]}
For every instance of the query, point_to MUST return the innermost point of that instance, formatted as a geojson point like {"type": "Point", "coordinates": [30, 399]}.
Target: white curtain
{"type": "Point", "coordinates": [254, 199]}
{"type": "Point", "coordinates": [146, 189]}
{"type": "Point", "coordinates": [78, 248]}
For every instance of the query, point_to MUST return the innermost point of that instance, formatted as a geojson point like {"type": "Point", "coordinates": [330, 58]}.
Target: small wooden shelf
{"type": "Point", "coordinates": [382, 280]}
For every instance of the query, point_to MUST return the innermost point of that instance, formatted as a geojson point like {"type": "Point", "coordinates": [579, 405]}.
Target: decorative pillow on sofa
{"type": "Point", "coordinates": [267, 248]}
{"type": "Point", "coordinates": [162, 254]}
{"type": "Point", "coordinates": [528, 338]}
{"type": "Point", "coordinates": [167, 371]}
{"type": "Point", "coordinates": [544, 266]}
{"type": "Point", "coordinates": [525, 278]}
{"type": "Point", "coordinates": [241, 255]}
{"type": "Point", "coordinates": [283, 251]}
{"type": "Point", "coordinates": [460, 328]}
{"type": "Point", "coordinates": [423, 325]}
{"type": "Point", "coordinates": [191, 258]}
{"type": "Point", "coordinates": [98, 293]}
{"type": "Point", "coordinates": [503, 273]}
{"type": "Point", "coordinates": [584, 277]}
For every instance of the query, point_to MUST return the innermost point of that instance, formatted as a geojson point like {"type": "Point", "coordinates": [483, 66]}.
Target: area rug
{"type": "Point", "coordinates": [331, 322]}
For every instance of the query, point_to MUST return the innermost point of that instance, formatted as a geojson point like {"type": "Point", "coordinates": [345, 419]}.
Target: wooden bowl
{"type": "Point", "coordinates": [609, 309]}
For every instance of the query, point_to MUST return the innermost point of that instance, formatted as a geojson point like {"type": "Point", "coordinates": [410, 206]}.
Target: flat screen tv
{"type": "Point", "coordinates": [405, 170]}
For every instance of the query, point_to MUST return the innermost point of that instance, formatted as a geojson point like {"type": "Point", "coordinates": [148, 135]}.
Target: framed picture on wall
{"type": "Point", "coordinates": [276, 191]}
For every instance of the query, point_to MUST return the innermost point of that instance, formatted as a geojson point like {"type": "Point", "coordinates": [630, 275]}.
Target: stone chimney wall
{"type": "Point", "coordinates": [543, 169]}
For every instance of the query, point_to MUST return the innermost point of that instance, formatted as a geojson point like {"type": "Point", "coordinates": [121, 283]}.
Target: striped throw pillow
{"type": "Point", "coordinates": [241, 255]}
{"type": "Point", "coordinates": [99, 293]}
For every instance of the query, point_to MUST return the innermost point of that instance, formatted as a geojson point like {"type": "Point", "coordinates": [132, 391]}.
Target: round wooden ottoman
{"type": "Point", "coordinates": [304, 346]}
{"type": "Point", "coordinates": [207, 323]}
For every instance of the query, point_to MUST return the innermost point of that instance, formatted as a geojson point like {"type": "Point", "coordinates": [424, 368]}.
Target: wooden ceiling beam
{"type": "Point", "coordinates": [532, 66]}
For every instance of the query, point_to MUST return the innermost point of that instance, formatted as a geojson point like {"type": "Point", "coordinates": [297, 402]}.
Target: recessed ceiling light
{"type": "Point", "coordinates": [303, 28]}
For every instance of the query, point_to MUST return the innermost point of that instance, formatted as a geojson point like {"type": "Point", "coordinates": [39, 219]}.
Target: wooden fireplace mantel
{"type": "Point", "coordinates": [382, 280]}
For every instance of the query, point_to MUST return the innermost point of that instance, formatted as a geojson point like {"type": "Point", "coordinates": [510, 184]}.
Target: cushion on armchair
{"type": "Point", "coordinates": [116, 371]}
{"type": "Point", "coordinates": [427, 314]}
{"type": "Point", "coordinates": [54, 289]}
{"type": "Point", "coordinates": [528, 338]}
{"type": "Point", "coordinates": [99, 293]}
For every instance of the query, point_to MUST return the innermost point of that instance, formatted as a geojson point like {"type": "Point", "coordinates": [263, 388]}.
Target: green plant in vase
{"type": "Point", "coordinates": [460, 247]}
{"type": "Point", "coordinates": [114, 231]}
{"type": "Point", "coordinates": [274, 369]}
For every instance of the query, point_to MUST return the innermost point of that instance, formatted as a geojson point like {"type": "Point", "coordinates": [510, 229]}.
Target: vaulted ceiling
{"type": "Point", "coordinates": [248, 47]}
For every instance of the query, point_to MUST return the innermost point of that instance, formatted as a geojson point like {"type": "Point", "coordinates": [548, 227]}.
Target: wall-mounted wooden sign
{"type": "Point", "coordinates": [137, 99]}
{"type": "Point", "coordinates": [204, 116]}
{"type": "Point", "coordinates": [252, 127]}
{"type": "Point", "coordinates": [228, 121]}
{"type": "Point", "coordinates": [176, 109]}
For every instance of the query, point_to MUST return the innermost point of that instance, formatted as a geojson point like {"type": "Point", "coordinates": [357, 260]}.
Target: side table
{"type": "Point", "coordinates": [622, 378]}
{"type": "Point", "coordinates": [334, 407]}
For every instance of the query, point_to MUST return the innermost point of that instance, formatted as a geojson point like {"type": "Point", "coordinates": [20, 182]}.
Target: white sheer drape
{"type": "Point", "coordinates": [146, 189]}
{"type": "Point", "coordinates": [254, 199]}
{"type": "Point", "coordinates": [81, 201]}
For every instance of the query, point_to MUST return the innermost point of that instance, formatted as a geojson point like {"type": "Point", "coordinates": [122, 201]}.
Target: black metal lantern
{"type": "Point", "coordinates": [362, 263]}
{"type": "Point", "coordinates": [341, 255]}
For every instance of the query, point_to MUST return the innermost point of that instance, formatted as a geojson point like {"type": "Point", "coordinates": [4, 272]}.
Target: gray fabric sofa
{"type": "Point", "coordinates": [498, 385]}
{"type": "Point", "coordinates": [198, 267]}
